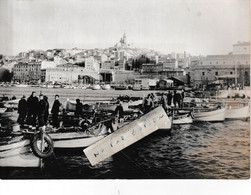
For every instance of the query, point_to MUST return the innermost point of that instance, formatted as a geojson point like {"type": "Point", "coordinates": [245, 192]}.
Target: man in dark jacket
{"type": "Point", "coordinates": [46, 114]}
{"type": "Point", "coordinates": [32, 104]}
{"type": "Point", "coordinates": [119, 111]}
{"type": "Point", "coordinates": [41, 110]}
{"type": "Point", "coordinates": [55, 110]}
{"type": "Point", "coordinates": [79, 108]}
{"type": "Point", "coordinates": [169, 98]}
{"type": "Point", "coordinates": [22, 110]}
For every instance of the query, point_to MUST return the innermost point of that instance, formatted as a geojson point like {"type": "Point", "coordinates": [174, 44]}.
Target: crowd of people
{"type": "Point", "coordinates": [35, 110]}
{"type": "Point", "coordinates": [175, 99]}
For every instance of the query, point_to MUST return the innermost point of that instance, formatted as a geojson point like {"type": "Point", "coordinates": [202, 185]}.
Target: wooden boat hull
{"type": "Point", "coordinates": [18, 154]}
{"type": "Point", "coordinates": [74, 140]}
{"type": "Point", "coordinates": [238, 113]}
{"type": "Point", "coordinates": [210, 116]}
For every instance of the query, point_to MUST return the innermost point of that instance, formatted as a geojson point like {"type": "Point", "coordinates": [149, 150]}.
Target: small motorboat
{"type": "Point", "coordinates": [17, 153]}
{"type": "Point", "coordinates": [233, 112]}
{"type": "Point", "coordinates": [73, 140]}
{"type": "Point", "coordinates": [209, 114]}
{"type": "Point", "coordinates": [23, 149]}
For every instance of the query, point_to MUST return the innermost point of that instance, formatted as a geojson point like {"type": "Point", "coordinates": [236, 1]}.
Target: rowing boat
{"type": "Point", "coordinates": [17, 153]}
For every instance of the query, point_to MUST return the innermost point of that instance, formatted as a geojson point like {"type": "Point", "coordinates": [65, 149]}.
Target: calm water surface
{"type": "Point", "coordinates": [199, 151]}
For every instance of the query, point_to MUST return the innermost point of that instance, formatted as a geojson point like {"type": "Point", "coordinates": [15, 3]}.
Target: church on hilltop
{"type": "Point", "coordinates": [123, 42]}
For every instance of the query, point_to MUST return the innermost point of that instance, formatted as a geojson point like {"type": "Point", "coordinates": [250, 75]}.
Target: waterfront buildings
{"type": "Point", "coordinates": [27, 72]}
{"type": "Point", "coordinates": [232, 68]}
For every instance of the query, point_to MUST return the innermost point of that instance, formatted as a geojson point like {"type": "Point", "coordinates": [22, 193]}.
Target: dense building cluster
{"type": "Point", "coordinates": [123, 63]}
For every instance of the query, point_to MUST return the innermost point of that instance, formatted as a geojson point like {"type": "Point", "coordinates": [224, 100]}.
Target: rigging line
{"type": "Point", "coordinates": [136, 164]}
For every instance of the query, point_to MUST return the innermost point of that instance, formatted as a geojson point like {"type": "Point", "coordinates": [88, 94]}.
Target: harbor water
{"type": "Point", "coordinates": [197, 151]}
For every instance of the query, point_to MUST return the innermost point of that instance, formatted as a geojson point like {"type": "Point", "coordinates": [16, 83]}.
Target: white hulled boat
{"type": "Point", "coordinates": [210, 115]}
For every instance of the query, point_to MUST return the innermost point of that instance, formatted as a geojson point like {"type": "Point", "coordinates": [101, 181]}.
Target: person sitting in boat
{"type": "Point", "coordinates": [55, 110]}
{"type": "Point", "coordinates": [22, 110]}
{"type": "Point", "coordinates": [41, 110]}
{"type": "Point", "coordinates": [79, 108]}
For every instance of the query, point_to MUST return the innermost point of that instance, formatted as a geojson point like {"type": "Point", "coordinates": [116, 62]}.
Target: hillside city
{"type": "Point", "coordinates": [123, 63]}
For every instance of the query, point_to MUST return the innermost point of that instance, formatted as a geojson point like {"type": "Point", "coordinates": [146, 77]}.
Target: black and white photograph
{"type": "Point", "coordinates": [124, 89]}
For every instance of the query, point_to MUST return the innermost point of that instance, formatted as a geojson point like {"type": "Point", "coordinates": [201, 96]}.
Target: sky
{"type": "Point", "coordinates": [199, 27]}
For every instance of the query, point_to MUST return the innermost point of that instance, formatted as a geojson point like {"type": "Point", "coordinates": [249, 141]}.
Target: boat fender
{"type": "Point", "coordinates": [35, 146]}
{"type": "Point", "coordinates": [86, 107]}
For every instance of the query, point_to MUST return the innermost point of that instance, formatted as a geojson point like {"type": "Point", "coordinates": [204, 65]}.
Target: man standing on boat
{"type": "Point", "coordinates": [22, 110]}
{"type": "Point", "coordinates": [32, 104]}
{"type": "Point", "coordinates": [119, 111]}
{"type": "Point", "coordinates": [169, 98]}
{"type": "Point", "coordinates": [55, 110]}
{"type": "Point", "coordinates": [41, 110]}
{"type": "Point", "coordinates": [79, 108]}
{"type": "Point", "coordinates": [164, 101]}
{"type": "Point", "coordinates": [47, 105]}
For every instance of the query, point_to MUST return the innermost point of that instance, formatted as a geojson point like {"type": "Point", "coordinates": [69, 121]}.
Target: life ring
{"type": "Point", "coordinates": [49, 147]}
{"type": "Point", "coordinates": [86, 107]}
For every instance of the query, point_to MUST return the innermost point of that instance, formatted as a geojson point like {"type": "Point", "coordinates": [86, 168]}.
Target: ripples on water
{"type": "Point", "coordinates": [202, 150]}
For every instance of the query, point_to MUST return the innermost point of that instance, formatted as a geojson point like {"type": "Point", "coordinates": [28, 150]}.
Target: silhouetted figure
{"type": "Point", "coordinates": [46, 113]}
{"type": "Point", "coordinates": [119, 111]}
{"type": "Point", "coordinates": [22, 110]}
{"type": "Point", "coordinates": [177, 99]}
{"type": "Point", "coordinates": [79, 108]}
{"type": "Point", "coordinates": [55, 110]}
{"type": "Point", "coordinates": [32, 104]}
{"type": "Point", "coordinates": [164, 101]}
{"type": "Point", "coordinates": [148, 103]}
{"type": "Point", "coordinates": [41, 110]}
{"type": "Point", "coordinates": [169, 98]}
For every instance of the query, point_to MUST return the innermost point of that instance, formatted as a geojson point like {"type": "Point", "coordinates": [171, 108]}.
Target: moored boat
{"type": "Point", "coordinates": [73, 140]}
{"type": "Point", "coordinates": [210, 115]}
{"type": "Point", "coordinates": [18, 153]}
{"type": "Point", "coordinates": [238, 113]}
